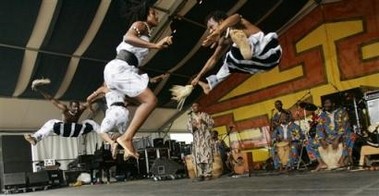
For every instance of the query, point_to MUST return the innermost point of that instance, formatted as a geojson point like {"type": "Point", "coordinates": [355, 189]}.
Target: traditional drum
{"type": "Point", "coordinates": [283, 149]}
{"type": "Point", "coordinates": [218, 168]}
{"type": "Point", "coordinates": [191, 169]}
{"type": "Point", "coordinates": [330, 156]}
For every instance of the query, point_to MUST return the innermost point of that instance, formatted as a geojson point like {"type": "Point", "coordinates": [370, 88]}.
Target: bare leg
{"type": "Point", "coordinates": [148, 102]}
{"type": "Point", "coordinates": [205, 87]}
{"type": "Point", "coordinates": [113, 144]}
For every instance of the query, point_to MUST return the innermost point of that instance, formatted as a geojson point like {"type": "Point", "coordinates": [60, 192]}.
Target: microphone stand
{"type": "Point", "coordinates": [357, 117]}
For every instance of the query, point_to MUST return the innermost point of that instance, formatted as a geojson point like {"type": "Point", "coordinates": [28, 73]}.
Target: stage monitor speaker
{"type": "Point", "coordinates": [164, 166]}
{"type": "Point", "coordinates": [14, 180]}
{"type": "Point", "coordinates": [372, 100]}
{"type": "Point", "coordinates": [15, 156]}
{"type": "Point", "coordinates": [38, 178]}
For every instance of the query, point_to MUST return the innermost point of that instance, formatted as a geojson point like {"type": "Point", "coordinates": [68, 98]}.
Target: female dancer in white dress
{"type": "Point", "coordinates": [122, 74]}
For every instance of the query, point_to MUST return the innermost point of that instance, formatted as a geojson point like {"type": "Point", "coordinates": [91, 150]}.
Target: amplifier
{"type": "Point", "coordinates": [14, 180]}
{"type": "Point", "coordinates": [56, 178]}
{"type": "Point", "coordinates": [372, 101]}
{"type": "Point", "coordinates": [372, 95]}
{"type": "Point", "coordinates": [164, 166]}
{"type": "Point", "coordinates": [38, 178]}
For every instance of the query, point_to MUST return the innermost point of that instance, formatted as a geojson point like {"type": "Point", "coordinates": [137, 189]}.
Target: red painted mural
{"type": "Point", "coordinates": [335, 45]}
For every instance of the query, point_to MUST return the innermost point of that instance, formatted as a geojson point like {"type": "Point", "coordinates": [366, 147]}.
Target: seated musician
{"type": "Point", "coordinates": [280, 111]}
{"type": "Point", "coordinates": [287, 133]}
{"type": "Point", "coordinates": [221, 148]}
{"type": "Point", "coordinates": [333, 128]}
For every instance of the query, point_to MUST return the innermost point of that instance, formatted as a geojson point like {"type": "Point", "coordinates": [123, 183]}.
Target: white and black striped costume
{"type": "Point", "coordinates": [266, 54]}
{"type": "Point", "coordinates": [66, 129]}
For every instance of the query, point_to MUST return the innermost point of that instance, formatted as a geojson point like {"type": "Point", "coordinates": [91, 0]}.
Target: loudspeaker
{"type": "Point", "coordinates": [372, 100]}
{"type": "Point", "coordinates": [164, 166]}
{"type": "Point", "coordinates": [38, 178]}
{"type": "Point", "coordinates": [14, 180]}
{"type": "Point", "coordinates": [56, 178]}
{"type": "Point", "coordinates": [15, 157]}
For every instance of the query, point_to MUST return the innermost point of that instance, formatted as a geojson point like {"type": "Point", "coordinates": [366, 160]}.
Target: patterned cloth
{"type": "Point", "coordinates": [202, 147]}
{"type": "Point", "coordinates": [291, 133]}
{"type": "Point", "coordinates": [332, 125]}
{"type": "Point", "coordinates": [66, 129]}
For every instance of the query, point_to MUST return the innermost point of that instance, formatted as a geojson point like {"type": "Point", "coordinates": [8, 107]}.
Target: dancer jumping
{"type": "Point", "coordinates": [68, 126]}
{"type": "Point", "coordinates": [122, 73]}
{"type": "Point", "coordinates": [247, 48]}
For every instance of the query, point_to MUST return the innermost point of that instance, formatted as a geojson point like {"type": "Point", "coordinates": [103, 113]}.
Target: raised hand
{"type": "Point", "coordinates": [211, 39]}
{"type": "Point", "coordinates": [164, 43]}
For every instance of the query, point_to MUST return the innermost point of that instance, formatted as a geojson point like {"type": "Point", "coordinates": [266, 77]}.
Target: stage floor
{"type": "Point", "coordinates": [260, 183]}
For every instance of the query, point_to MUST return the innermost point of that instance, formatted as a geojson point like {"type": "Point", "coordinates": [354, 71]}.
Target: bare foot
{"type": "Point", "coordinates": [320, 167]}
{"type": "Point", "coordinates": [30, 139]}
{"type": "Point", "coordinates": [240, 38]}
{"type": "Point", "coordinates": [205, 87]}
{"type": "Point", "coordinates": [129, 150]}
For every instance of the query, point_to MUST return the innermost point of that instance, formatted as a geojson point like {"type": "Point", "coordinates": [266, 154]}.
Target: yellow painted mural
{"type": "Point", "coordinates": [328, 50]}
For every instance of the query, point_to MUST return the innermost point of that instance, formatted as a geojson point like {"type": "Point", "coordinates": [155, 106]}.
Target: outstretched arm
{"type": "Point", "coordinates": [215, 35]}
{"type": "Point", "coordinates": [57, 103]}
{"type": "Point", "coordinates": [136, 30]}
{"type": "Point", "coordinates": [159, 78]}
{"type": "Point", "coordinates": [235, 21]}
{"type": "Point", "coordinates": [97, 94]}
{"type": "Point", "coordinates": [218, 53]}
{"type": "Point", "coordinates": [229, 22]}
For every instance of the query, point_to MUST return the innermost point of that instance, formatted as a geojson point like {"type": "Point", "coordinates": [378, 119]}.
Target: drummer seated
{"type": "Point", "coordinates": [334, 144]}
{"type": "Point", "coordinates": [331, 133]}
{"type": "Point", "coordinates": [287, 135]}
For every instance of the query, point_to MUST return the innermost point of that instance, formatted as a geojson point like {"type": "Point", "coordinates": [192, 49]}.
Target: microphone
{"type": "Point", "coordinates": [334, 86]}
{"type": "Point", "coordinates": [190, 112]}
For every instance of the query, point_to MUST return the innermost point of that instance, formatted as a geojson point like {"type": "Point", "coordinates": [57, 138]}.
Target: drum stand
{"type": "Point", "coordinates": [301, 161]}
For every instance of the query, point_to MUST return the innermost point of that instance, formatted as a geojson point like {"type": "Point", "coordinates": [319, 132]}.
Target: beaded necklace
{"type": "Point", "coordinates": [148, 28]}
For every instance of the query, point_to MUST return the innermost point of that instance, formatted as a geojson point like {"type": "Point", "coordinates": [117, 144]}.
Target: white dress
{"type": "Point", "coordinates": [120, 76]}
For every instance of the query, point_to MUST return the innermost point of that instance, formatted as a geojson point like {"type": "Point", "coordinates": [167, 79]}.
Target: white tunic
{"type": "Point", "coordinates": [120, 76]}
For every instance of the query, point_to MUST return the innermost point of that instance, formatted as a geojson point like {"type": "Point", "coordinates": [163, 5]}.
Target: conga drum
{"type": "Point", "coordinates": [191, 169]}
{"type": "Point", "coordinates": [217, 167]}
{"type": "Point", "coordinates": [330, 156]}
{"type": "Point", "coordinates": [283, 149]}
